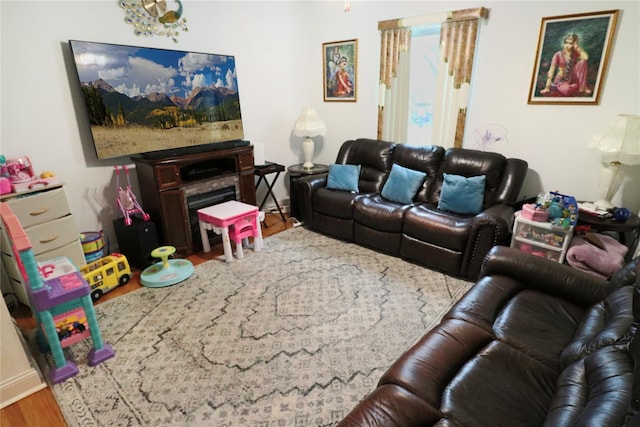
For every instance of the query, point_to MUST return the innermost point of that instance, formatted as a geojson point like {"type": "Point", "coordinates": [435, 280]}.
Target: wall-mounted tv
{"type": "Point", "coordinates": [146, 100]}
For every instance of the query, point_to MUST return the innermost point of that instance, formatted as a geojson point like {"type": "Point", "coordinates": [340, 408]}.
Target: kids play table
{"type": "Point", "coordinates": [234, 221]}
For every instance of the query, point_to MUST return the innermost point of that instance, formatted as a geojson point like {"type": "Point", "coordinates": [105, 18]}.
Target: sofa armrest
{"type": "Point", "coordinates": [546, 276]}
{"type": "Point", "coordinates": [497, 214]}
{"type": "Point", "coordinates": [514, 175]}
{"type": "Point", "coordinates": [489, 228]}
{"type": "Point", "coordinates": [305, 188]}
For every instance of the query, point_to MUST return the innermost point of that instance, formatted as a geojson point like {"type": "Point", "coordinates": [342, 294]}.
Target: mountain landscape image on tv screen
{"type": "Point", "coordinates": [141, 100]}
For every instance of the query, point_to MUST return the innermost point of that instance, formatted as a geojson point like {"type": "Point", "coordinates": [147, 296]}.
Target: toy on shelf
{"type": "Point", "coordinates": [126, 200]}
{"type": "Point", "coordinates": [19, 172]}
{"type": "Point", "coordinates": [558, 209]}
{"type": "Point", "coordinates": [19, 169]}
{"type": "Point", "coordinates": [535, 212]}
{"type": "Point", "coordinates": [106, 274]}
{"type": "Point", "coordinates": [167, 272]}
{"type": "Point", "coordinates": [60, 302]}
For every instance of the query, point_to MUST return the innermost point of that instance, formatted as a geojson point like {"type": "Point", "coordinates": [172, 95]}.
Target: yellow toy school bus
{"type": "Point", "coordinates": [106, 274]}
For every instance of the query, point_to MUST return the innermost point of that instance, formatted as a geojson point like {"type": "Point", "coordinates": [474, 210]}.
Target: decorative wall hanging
{"type": "Point", "coordinates": [572, 58]}
{"type": "Point", "coordinates": [155, 17]}
{"type": "Point", "coordinates": [340, 75]}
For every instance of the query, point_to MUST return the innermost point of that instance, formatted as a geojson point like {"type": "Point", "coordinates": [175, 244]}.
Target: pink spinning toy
{"type": "Point", "coordinates": [126, 200]}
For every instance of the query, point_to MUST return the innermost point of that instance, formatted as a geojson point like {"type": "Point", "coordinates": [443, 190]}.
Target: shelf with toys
{"type": "Point", "coordinates": [545, 228]}
{"type": "Point", "coordinates": [17, 176]}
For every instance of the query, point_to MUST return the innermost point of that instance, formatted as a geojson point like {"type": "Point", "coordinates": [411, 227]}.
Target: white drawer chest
{"type": "Point", "coordinates": [541, 238]}
{"type": "Point", "coordinates": [46, 218]}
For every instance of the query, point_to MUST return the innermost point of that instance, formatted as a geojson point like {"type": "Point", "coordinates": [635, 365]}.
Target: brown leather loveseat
{"type": "Point", "coordinates": [532, 343]}
{"type": "Point", "coordinates": [420, 228]}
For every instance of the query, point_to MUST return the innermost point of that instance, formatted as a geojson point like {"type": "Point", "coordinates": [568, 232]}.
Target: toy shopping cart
{"type": "Point", "coordinates": [126, 200]}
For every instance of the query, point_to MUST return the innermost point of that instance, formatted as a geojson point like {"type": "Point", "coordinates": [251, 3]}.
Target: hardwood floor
{"type": "Point", "coordinates": [41, 409]}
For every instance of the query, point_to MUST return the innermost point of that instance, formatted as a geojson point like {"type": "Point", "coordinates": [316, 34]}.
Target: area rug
{"type": "Point", "coordinates": [293, 335]}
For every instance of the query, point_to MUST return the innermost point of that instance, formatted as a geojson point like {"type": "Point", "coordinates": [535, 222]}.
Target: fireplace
{"type": "Point", "coordinates": [173, 188]}
{"type": "Point", "coordinates": [203, 200]}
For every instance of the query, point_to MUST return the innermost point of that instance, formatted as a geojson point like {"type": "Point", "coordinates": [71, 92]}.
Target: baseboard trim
{"type": "Point", "coordinates": [21, 386]}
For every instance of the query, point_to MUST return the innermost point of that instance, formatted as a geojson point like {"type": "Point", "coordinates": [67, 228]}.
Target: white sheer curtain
{"type": "Point", "coordinates": [458, 36]}
{"type": "Point", "coordinates": [397, 115]}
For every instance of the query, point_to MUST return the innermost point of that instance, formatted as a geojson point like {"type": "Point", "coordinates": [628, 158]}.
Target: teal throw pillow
{"type": "Point", "coordinates": [462, 195]}
{"type": "Point", "coordinates": [343, 177]}
{"type": "Point", "coordinates": [402, 184]}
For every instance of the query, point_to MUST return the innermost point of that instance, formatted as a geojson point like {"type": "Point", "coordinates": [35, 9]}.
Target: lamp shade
{"type": "Point", "coordinates": [621, 141]}
{"type": "Point", "coordinates": [309, 124]}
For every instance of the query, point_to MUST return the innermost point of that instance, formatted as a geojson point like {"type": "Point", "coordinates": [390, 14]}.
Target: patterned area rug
{"type": "Point", "coordinates": [294, 335]}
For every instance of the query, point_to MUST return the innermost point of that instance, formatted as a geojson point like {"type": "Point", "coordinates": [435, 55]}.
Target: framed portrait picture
{"type": "Point", "coordinates": [340, 70]}
{"type": "Point", "coordinates": [572, 57]}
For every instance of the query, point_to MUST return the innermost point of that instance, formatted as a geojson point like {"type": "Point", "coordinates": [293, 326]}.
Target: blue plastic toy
{"type": "Point", "coordinates": [167, 272]}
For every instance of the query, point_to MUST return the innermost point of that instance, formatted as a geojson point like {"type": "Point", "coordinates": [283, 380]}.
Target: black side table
{"type": "Point", "coordinates": [631, 225]}
{"type": "Point", "coordinates": [262, 172]}
{"type": "Point", "coordinates": [295, 173]}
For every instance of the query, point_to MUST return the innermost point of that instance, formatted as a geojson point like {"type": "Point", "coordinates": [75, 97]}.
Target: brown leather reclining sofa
{"type": "Point", "coordinates": [418, 231]}
{"type": "Point", "coordinates": [532, 343]}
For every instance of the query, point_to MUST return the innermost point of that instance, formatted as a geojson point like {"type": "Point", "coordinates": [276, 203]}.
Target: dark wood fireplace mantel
{"type": "Point", "coordinates": [166, 185]}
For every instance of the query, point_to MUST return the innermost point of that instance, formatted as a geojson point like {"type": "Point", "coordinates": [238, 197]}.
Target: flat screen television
{"type": "Point", "coordinates": [152, 101]}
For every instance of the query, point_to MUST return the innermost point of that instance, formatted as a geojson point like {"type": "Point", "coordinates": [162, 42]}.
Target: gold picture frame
{"type": "Point", "coordinates": [340, 70]}
{"type": "Point", "coordinates": [572, 58]}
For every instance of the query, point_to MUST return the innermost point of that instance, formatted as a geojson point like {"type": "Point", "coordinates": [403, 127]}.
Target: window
{"type": "Point", "coordinates": [407, 107]}
{"type": "Point", "coordinates": [423, 83]}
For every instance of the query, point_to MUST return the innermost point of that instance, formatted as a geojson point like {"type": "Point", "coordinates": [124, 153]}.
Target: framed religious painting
{"type": "Point", "coordinates": [572, 58]}
{"type": "Point", "coordinates": [340, 70]}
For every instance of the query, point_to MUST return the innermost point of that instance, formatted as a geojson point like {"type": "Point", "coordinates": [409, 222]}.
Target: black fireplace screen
{"type": "Point", "coordinates": [203, 200]}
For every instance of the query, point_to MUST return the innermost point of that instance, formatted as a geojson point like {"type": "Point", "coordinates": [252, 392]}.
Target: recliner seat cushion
{"type": "Point", "coordinates": [334, 203]}
{"type": "Point", "coordinates": [523, 324]}
{"type": "Point", "coordinates": [454, 367]}
{"type": "Point", "coordinates": [520, 317]}
{"type": "Point", "coordinates": [378, 213]}
{"type": "Point", "coordinates": [499, 387]}
{"type": "Point", "coordinates": [390, 405]}
{"type": "Point", "coordinates": [427, 368]}
{"type": "Point", "coordinates": [439, 228]}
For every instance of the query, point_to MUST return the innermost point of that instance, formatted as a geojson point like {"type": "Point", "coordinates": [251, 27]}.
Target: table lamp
{"type": "Point", "coordinates": [309, 125]}
{"type": "Point", "coordinates": [618, 145]}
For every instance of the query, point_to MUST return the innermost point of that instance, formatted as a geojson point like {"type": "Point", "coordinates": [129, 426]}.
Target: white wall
{"type": "Point", "coordinates": [19, 374]}
{"type": "Point", "coordinates": [278, 52]}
